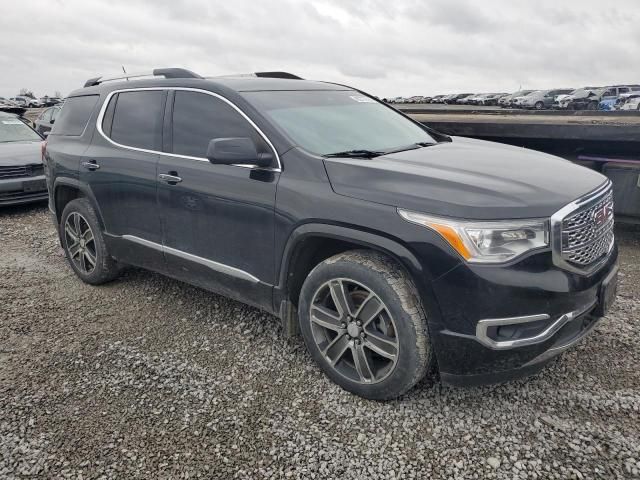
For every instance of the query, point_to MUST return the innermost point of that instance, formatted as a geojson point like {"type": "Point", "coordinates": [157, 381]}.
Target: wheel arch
{"type": "Point", "coordinates": [311, 243]}
{"type": "Point", "coordinates": [66, 189]}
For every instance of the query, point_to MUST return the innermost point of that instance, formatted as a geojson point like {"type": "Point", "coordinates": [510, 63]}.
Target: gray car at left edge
{"type": "Point", "coordinates": [21, 170]}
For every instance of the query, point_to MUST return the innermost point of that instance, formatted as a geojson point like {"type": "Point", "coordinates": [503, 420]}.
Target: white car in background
{"type": "Point", "coordinates": [632, 102]}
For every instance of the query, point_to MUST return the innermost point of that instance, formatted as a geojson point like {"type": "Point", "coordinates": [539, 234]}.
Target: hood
{"type": "Point", "coordinates": [20, 153]}
{"type": "Point", "coordinates": [465, 178]}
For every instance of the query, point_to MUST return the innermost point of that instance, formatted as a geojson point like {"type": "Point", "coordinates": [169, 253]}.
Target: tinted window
{"type": "Point", "coordinates": [198, 118]}
{"type": "Point", "coordinates": [137, 119]}
{"type": "Point", "coordinates": [74, 115]}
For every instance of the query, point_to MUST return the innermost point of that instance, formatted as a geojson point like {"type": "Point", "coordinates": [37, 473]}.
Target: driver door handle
{"type": "Point", "coordinates": [171, 178]}
{"type": "Point", "coordinates": [91, 165]}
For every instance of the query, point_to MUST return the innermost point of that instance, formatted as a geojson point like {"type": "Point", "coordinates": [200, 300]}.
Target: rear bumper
{"type": "Point", "coordinates": [16, 191]}
{"type": "Point", "coordinates": [555, 308]}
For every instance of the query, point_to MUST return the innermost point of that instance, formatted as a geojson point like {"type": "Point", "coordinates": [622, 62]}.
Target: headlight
{"type": "Point", "coordinates": [486, 242]}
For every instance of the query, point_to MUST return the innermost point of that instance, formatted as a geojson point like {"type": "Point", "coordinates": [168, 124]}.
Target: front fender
{"type": "Point", "coordinates": [419, 273]}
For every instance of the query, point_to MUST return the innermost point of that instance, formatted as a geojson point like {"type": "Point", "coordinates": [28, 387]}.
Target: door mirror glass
{"type": "Point", "coordinates": [238, 150]}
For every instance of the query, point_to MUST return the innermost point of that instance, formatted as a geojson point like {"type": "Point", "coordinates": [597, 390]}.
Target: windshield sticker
{"type": "Point", "coordinates": [12, 122]}
{"type": "Point", "coordinates": [362, 99]}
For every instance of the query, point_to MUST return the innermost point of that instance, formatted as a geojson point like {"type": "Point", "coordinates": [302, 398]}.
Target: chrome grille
{"type": "Point", "coordinates": [587, 234]}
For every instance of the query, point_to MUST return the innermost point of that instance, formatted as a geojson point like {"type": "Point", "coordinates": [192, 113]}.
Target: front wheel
{"type": "Point", "coordinates": [363, 323]}
{"type": "Point", "coordinates": [539, 105]}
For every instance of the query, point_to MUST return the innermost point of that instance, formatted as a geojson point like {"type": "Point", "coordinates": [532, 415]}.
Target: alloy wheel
{"type": "Point", "coordinates": [354, 331]}
{"type": "Point", "coordinates": [80, 241]}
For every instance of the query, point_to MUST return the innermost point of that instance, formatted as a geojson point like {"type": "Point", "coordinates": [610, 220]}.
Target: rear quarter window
{"type": "Point", "coordinates": [74, 116]}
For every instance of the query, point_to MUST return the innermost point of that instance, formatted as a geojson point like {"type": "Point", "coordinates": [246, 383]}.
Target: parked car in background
{"type": "Point", "coordinates": [438, 99]}
{"type": "Point", "coordinates": [20, 101]}
{"type": "Point", "coordinates": [467, 100]}
{"type": "Point", "coordinates": [491, 99]}
{"type": "Point", "coordinates": [541, 99]}
{"type": "Point", "coordinates": [581, 96]}
{"type": "Point", "coordinates": [507, 100]}
{"type": "Point", "coordinates": [458, 98]}
{"type": "Point", "coordinates": [632, 102]}
{"type": "Point", "coordinates": [50, 101]}
{"type": "Point", "coordinates": [25, 101]}
{"type": "Point", "coordinates": [592, 100]}
{"type": "Point", "coordinates": [45, 121]}
{"type": "Point", "coordinates": [21, 171]}
{"type": "Point", "coordinates": [609, 102]}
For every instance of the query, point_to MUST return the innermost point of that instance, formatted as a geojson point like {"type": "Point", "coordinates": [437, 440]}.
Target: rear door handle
{"type": "Point", "coordinates": [169, 178]}
{"type": "Point", "coordinates": [91, 165]}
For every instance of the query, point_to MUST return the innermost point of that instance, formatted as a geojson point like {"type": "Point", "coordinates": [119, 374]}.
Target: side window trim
{"type": "Point", "coordinates": [108, 119]}
{"type": "Point", "coordinates": [170, 90]}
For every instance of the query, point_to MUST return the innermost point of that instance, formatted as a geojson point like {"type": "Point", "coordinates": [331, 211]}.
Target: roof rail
{"type": "Point", "coordinates": [158, 72]}
{"type": "Point", "coordinates": [287, 75]}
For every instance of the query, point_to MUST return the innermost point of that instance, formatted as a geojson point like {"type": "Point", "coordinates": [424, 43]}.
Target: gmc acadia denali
{"type": "Point", "coordinates": [396, 251]}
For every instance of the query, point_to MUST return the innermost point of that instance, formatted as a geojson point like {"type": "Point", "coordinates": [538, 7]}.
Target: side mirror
{"type": "Point", "coordinates": [45, 134]}
{"type": "Point", "coordinates": [52, 121]}
{"type": "Point", "coordinates": [240, 150]}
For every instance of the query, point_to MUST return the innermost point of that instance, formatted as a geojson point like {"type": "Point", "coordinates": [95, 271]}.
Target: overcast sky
{"type": "Point", "coordinates": [387, 47]}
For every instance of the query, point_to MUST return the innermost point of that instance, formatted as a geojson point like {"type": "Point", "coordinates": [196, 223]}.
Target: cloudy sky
{"type": "Point", "coordinates": [387, 47]}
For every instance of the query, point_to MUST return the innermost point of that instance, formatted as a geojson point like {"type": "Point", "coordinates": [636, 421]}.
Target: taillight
{"type": "Point", "coordinates": [43, 148]}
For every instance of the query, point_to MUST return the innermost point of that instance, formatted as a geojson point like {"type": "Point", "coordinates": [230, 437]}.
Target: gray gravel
{"type": "Point", "coordinates": [150, 378]}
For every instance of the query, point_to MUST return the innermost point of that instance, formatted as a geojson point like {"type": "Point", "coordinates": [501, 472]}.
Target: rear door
{"type": "Point", "coordinates": [218, 220]}
{"type": "Point", "coordinates": [120, 171]}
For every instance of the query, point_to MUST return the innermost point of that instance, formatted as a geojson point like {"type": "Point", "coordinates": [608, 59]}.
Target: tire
{"type": "Point", "coordinates": [393, 344]}
{"type": "Point", "coordinates": [539, 105]}
{"type": "Point", "coordinates": [79, 216]}
{"type": "Point", "coordinates": [592, 106]}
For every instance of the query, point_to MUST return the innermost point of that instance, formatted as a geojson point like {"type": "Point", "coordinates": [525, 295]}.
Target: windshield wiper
{"type": "Point", "coordinates": [354, 154]}
{"type": "Point", "coordinates": [413, 146]}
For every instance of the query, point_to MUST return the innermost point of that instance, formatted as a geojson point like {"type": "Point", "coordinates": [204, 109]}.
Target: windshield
{"type": "Point", "coordinates": [325, 122]}
{"type": "Point", "coordinates": [14, 130]}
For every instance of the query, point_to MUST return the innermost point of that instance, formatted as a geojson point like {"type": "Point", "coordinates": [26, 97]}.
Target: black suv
{"type": "Point", "coordinates": [396, 251]}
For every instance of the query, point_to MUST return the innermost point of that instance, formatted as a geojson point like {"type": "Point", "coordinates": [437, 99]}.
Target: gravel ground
{"type": "Point", "coordinates": [150, 378]}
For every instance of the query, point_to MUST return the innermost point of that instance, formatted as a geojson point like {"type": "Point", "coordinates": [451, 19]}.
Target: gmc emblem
{"type": "Point", "coordinates": [602, 214]}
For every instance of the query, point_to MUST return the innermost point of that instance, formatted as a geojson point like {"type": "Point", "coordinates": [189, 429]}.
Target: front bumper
{"type": "Point", "coordinates": [16, 191]}
{"type": "Point", "coordinates": [558, 309]}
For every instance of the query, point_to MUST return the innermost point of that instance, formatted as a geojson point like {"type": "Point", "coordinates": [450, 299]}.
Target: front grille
{"type": "Point", "coordinates": [20, 171]}
{"type": "Point", "coordinates": [587, 234]}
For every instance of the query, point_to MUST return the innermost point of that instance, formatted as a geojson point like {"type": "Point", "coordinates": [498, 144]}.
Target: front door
{"type": "Point", "coordinates": [120, 169]}
{"type": "Point", "coordinates": [218, 220]}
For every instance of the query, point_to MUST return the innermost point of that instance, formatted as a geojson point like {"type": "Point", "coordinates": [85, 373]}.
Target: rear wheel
{"type": "Point", "coordinates": [539, 105]}
{"type": "Point", "coordinates": [592, 106]}
{"type": "Point", "coordinates": [362, 322]}
{"type": "Point", "coordinates": [84, 244]}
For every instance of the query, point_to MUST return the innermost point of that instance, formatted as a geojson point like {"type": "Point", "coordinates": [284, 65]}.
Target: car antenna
{"type": "Point", "coordinates": [125, 72]}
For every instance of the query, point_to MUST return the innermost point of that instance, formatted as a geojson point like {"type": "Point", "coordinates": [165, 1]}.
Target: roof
{"type": "Point", "coordinates": [254, 84]}
{"type": "Point", "coordinates": [175, 77]}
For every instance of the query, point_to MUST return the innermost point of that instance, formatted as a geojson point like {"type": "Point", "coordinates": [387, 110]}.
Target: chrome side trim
{"type": "Point", "coordinates": [483, 325]}
{"type": "Point", "coordinates": [215, 266]}
{"type": "Point", "coordinates": [556, 231]}
{"type": "Point", "coordinates": [175, 155]}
